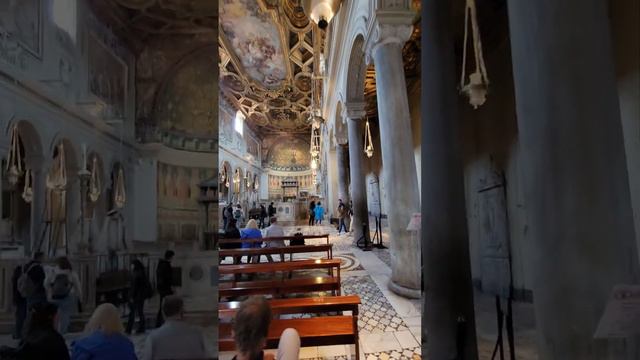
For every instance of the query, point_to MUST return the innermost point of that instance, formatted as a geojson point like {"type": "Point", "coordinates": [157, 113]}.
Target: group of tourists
{"type": "Point", "coordinates": [316, 214]}
{"type": "Point", "coordinates": [260, 213]}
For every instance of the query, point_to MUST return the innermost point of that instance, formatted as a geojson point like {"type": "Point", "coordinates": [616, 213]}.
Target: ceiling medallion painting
{"type": "Point", "coordinates": [269, 77]}
{"type": "Point", "coordinates": [255, 40]}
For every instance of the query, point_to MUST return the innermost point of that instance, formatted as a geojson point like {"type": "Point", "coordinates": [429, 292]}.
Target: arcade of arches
{"type": "Point", "coordinates": [128, 127]}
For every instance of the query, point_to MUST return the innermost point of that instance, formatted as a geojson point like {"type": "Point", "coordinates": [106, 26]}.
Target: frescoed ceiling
{"type": "Point", "coordinates": [267, 63]}
{"type": "Point", "coordinates": [137, 20]}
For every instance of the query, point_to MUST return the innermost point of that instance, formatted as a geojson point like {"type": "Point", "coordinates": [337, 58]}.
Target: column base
{"type": "Point", "coordinates": [405, 291]}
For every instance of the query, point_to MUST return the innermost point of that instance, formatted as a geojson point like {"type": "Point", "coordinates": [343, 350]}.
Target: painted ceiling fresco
{"type": "Point", "coordinates": [255, 39]}
{"type": "Point", "coordinates": [289, 154]}
{"type": "Point", "coordinates": [274, 95]}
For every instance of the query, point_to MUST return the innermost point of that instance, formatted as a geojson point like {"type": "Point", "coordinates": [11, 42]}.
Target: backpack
{"type": "Point", "coordinates": [26, 286]}
{"type": "Point", "coordinates": [61, 286]}
{"type": "Point", "coordinates": [294, 242]}
{"type": "Point", "coordinates": [237, 214]}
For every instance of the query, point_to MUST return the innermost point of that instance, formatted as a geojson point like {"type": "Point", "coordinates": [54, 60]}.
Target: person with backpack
{"type": "Point", "coordinates": [30, 283]}
{"type": "Point", "coordinates": [164, 280]}
{"type": "Point", "coordinates": [238, 214]}
{"type": "Point", "coordinates": [64, 290]}
{"type": "Point", "coordinates": [139, 291]}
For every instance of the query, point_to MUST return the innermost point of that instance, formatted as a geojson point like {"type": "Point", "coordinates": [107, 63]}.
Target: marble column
{"type": "Point", "coordinates": [354, 114]}
{"type": "Point", "coordinates": [343, 172]}
{"type": "Point", "coordinates": [399, 175]}
{"type": "Point", "coordinates": [575, 176]}
{"type": "Point", "coordinates": [447, 267]}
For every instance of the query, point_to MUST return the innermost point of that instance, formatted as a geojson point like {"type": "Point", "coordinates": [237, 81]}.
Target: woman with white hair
{"type": "Point", "coordinates": [104, 337]}
{"type": "Point", "coordinates": [251, 232]}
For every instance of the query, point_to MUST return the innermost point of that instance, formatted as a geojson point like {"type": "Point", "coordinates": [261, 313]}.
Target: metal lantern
{"type": "Point", "coordinates": [368, 141]}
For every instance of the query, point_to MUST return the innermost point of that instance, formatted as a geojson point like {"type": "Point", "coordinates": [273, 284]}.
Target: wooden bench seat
{"type": "Point", "coordinates": [279, 287]}
{"type": "Point", "coordinates": [287, 266]}
{"type": "Point", "coordinates": [308, 305]}
{"type": "Point", "coordinates": [317, 331]}
{"type": "Point", "coordinates": [269, 239]}
{"type": "Point", "coordinates": [282, 250]}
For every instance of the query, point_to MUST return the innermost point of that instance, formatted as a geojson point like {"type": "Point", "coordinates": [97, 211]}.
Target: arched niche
{"type": "Point", "coordinates": [225, 191]}
{"type": "Point", "coordinates": [97, 210]}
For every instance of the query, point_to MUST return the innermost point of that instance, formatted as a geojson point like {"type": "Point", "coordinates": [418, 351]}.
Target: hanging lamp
{"type": "Point", "coordinates": [14, 165]}
{"type": "Point", "coordinates": [368, 141]}
{"type": "Point", "coordinates": [94, 181]}
{"type": "Point", "coordinates": [27, 192]}
{"type": "Point", "coordinates": [321, 11]}
{"type": "Point", "coordinates": [119, 198]}
{"type": "Point", "coordinates": [477, 87]}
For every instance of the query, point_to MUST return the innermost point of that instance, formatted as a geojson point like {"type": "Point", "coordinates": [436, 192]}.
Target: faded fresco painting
{"type": "Point", "coordinates": [255, 40]}
{"type": "Point", "coordinates": [22, 22]}
{"type": "Point", "coordinates": [107, 76]}
{"type": "Point", "coordinates": [179, 213]}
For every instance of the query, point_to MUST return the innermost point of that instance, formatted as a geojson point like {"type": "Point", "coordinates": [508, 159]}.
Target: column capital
{"type": "Point", "coordinates": [389, 27]}
{"type": "Point", "coordinates": [354, 110]}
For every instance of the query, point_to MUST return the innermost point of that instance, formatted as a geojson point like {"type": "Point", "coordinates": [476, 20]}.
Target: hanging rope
{"type": "Point", "coordinates": [476, 89]}
{"type": "Point", "coordinates": [14, 165]}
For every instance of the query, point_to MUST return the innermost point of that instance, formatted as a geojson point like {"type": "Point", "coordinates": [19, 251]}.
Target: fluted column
{"type": "Point", "coordinates": [354, 112]}
{"type": "Point", "coordinates": [343, 172]}
{"type": "Point", "coordinates": [575, 181]}
{"type": "Point", "coordinates": [399, 175]}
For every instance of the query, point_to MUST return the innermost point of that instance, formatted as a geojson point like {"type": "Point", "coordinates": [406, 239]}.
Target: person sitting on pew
{"type": "Point", "coordinates": [104, 337]}
{"type": "Point", "coordinates": [251, 232]}
{"type": "Point", "coordinates": [175, 339]}
{"type": "Point", "coordinates": [41, 338]}
{"type": "Point", "coordinates": [274, 230]}
{"type": "Point", "coordinates": [251, 328]}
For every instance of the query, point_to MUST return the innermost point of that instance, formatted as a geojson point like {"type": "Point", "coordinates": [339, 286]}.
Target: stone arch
{"type": "Point", "coordinates": [357, 71]}
{"type": "Point", "coordinates": [23, 215]}
{"type": "Point", "coordinates": [225, 192]}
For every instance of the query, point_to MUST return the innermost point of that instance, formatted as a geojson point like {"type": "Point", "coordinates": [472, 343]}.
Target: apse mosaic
{"type": "Point", "coordinates": [289, 154]}
{"type": "Point", "coordinates": [255, 40]}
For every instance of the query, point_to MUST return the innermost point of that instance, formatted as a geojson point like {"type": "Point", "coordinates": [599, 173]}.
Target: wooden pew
{"type": "Point", "coordinates": [283, 285]}
{"type": "Point", "coordinates": [268, 239]}
{"type": "Point", "coordinates": [281, 250]}
{"type": "Point", "coordinates": [317, 331]}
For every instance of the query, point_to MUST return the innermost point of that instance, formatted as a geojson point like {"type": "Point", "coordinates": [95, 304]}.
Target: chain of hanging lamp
{"type": "Point", "coordinates": [368, 140]}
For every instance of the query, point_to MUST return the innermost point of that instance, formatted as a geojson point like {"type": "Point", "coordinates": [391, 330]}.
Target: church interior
{"type": "Point", "coordinates": [398, 178]}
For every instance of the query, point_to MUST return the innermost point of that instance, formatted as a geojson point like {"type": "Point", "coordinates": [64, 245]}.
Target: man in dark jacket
{"type": "Point", "coordinates": [19, 302]}
{"type": "Point", "coordinates": [263, 215]}
{"type": "Point", "coordinates": [164, 278]}
{"type": "Point", "coordinates": [36, 275]}
{"type": "Point", "coordinates": [272, 211]}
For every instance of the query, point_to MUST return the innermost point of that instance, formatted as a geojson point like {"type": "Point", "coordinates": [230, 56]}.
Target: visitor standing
{"type": "Point", "coordinates": [274, 230]}
{"type": "Point", "coordinates": [343, 212]}
{"type": "Point", "coordinates": [30, 283]}
{"type": "Point", "coordinates": [312, 213]}
{"type": "Point", "coordinates": [228, 212]}
{"type": "Point", "coordinates": [19, 303]}
{"type": "Point", "coordinates": [350, 216]}
{"type": "Point", "coordinates": [319, 212]}
{"type": "Point", "coordinates": [41, 340]}
{"type": "Point", "coordinates": [272, 210]}
{"type": "Point", "coordinates": [238, 214]}
{"type": "Point", "coordinates": [63, 286]}
{"type": "Point", "coordinates": [164, 280]}
{"type": "Point", "coordinates": [103, 337]}
{"type": "Point", "coordinates": [250, 329]}
{"type": "Point", "coordinates": [139, 292]}
{"type": "Point", "coordinates": [175, 339]}
{"type": "Point", "coordinates": [263, 215]}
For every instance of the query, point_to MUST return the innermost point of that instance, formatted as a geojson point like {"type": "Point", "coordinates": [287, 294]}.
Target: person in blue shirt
{"type": "Point", "coordinates": [104, 337]}
{"type": "Point", "coordinates": [251, 231]}
{"type": "Point", "coordinates": [319, 210]}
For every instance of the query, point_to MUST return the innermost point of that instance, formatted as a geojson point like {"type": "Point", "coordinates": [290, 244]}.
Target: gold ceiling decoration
{"type": "Point", "coordinates": [275, 97]}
